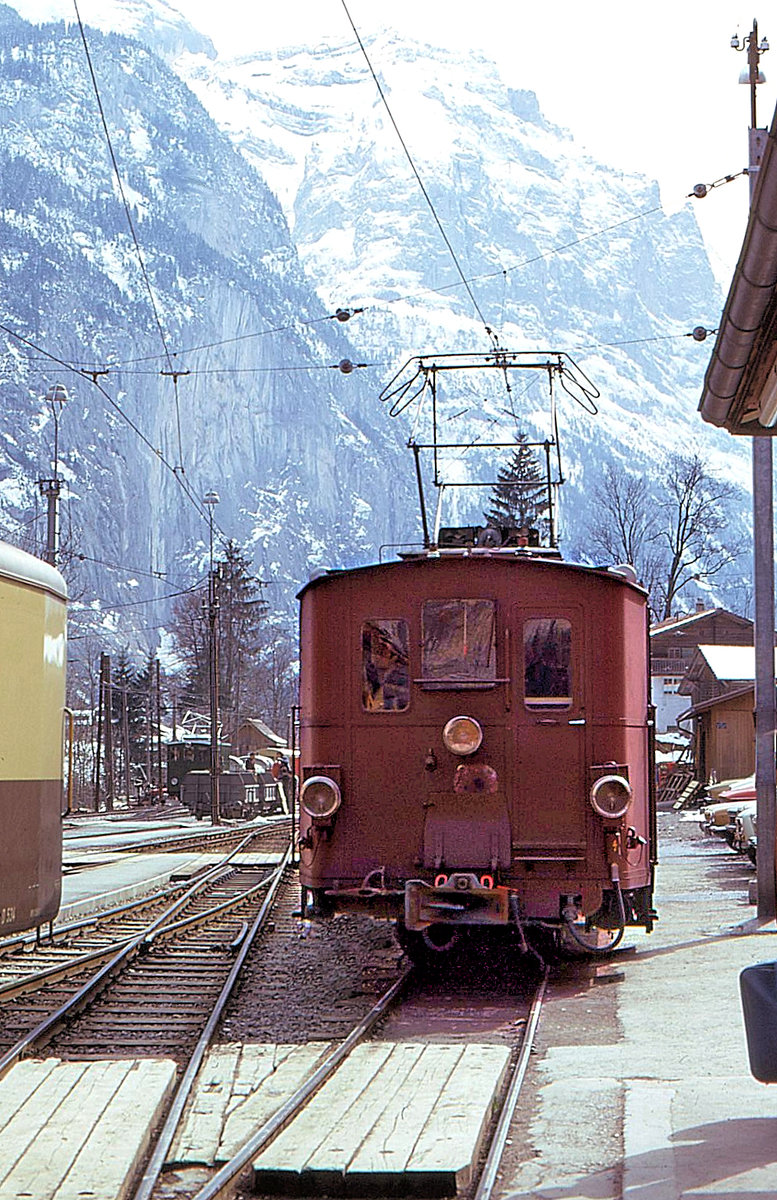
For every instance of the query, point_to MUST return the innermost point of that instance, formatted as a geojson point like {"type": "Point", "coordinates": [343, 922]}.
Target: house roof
{"type": "Point", "coordinates": [705, 705]}
{"type": "Point", "coordinates": [686, 619]}
{"type": "Point", "coordinates": [739, 383]}
{"type": "Point", "coordinates": [260, 727]}
{"type": "Point", "coordinates": [729, 662]}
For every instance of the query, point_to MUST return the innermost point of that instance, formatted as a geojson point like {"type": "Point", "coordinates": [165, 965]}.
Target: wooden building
{"type": "Point", "coordinates": [254, 737]}
{"type": "Point", "coordinates": [724, 735]}
{"type": "Point", "coordinates": [673, 645]}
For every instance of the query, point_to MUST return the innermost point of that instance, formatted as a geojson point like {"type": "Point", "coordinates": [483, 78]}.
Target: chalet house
{"type": "Point", "coordinates": [724, 735]}
{"type": "Point", "coordinates": [254, 737]}
{"type": "Point", "coordinates": [720, 684]}
{"type": "Point", "coordinates": [673, 644]}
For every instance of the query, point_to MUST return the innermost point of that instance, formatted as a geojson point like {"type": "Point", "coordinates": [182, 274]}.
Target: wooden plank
{"type": "Point", "coordinates": [249, 1111]}
{"type": "Point", "coordinates": [199, 1134]}
{"type": "Point", "coordinates": [32, 1116]}
{"type": "Point", "coordinates": [388, 1147]}
{"type": "Point", "coordinates": [451, 1138]}
{"type": "Point", "coordinates": [288, 1154]}
{"type": "Point", "coordinates": [48, 1155]}
{"type": "Point", "coordinates": [105, 1167]}
{"type": "Point", "coordinates": [19, 1084]}
{"type": "Point", "coordinates": [329, 1162]}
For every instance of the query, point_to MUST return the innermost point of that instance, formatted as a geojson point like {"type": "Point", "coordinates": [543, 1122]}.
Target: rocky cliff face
{"type": "Point", "coordinates": [561, 251]}
{"type": "Point", "coordinates": [260, 413]}
{"type": "Point", "coordinates": [267, 193]}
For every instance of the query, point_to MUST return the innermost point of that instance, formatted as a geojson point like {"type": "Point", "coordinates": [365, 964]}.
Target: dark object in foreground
{"type": "Point", "coordinates": [758, 986]}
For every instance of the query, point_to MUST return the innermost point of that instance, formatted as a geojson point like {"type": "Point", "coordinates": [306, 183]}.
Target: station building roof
{"type": "Point", "coordinates": [740, 385]}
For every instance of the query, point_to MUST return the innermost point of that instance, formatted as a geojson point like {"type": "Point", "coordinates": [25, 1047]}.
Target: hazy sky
{"type": "Point", "coordinates": [649, 90]}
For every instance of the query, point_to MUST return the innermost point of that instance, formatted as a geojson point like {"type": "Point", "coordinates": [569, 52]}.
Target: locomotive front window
{"type": "Point", "coordinates": [385, 666]}
{"type": "Point", "coordinates": [459, 643]}
{"type": "Point", "coordinates": [547, 650]}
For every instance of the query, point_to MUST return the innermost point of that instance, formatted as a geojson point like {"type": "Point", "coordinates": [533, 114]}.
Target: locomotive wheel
{"type": "Point", "coordinates": [425, 946]}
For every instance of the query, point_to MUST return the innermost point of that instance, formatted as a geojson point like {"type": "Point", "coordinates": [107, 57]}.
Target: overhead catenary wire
{"type": "Point", "coordinates": [120, 185]}
{"type": "Point", "coordinates": [123, 364]}
{"type": "Point", "coordinates": [419, 180]}
{"type": "Point", "coordinates": [131, 224]}
{"type": "Point", "coordinates": [177, 475]}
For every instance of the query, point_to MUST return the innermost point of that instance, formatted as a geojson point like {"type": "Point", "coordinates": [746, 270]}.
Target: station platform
{"type": "Point", "coordinates": [651, 1085]}
{"type": "Point", "coordinates": [97, 875]}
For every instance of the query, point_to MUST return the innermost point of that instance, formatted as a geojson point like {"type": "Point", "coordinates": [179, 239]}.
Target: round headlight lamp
{"type": "Point", "coordinates": [320, 797]}
{"type": "Point", "coordinates": [462, 735]}
{"type": "Point", "coordinates": [611, 796]}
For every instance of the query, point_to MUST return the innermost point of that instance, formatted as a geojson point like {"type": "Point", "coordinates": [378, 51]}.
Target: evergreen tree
{"type": "Point", "coordinates": [520, 496]}
{"type": "Point", "coordinates": [241, 611]}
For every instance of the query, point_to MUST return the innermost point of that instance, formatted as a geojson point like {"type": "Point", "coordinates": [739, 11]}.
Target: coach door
{"type": "Point", "coordinates": [549, 792]}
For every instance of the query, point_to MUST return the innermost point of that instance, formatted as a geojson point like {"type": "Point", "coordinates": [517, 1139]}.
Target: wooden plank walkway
{"type": "Point", "coordinates": [396, 1118]}
{"type": "Point", "coordinates": [70, 1130]}
{"type": "Point", "coordinates": [238, 1088]}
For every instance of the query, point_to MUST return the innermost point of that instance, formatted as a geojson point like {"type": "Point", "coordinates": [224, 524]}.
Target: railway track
{"type": "Point", "coordinates": [208, 838]}
{"type": "Point", "coordinates": [409, 1009]}
{"type": "Point", "coordinates": [168, 999]}
{"type": "Point", "coordinates": [31, 961]}
{"type": "Point", "coordinates": [146, 989]}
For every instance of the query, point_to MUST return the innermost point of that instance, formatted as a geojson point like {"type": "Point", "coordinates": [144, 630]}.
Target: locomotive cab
{"type": "Point", "coordinates": [475, 745]}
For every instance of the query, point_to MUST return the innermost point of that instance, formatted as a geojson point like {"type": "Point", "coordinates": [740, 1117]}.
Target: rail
{"type": "Point", "coordinates": [122, 955]}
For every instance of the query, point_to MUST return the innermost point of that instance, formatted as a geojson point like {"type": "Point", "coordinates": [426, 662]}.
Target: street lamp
{"type": "Point", "coordinates": [56, 396]}
{"type": "Point", "coordinates": [210, 500]}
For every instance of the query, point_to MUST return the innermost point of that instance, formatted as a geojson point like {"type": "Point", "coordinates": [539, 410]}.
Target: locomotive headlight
{"type": "Point", "coordinates": [462, 735]}
{"type": "Point", "coordinates": [320, 797]}
{"type": "Point", "coordinates": [611, 796]}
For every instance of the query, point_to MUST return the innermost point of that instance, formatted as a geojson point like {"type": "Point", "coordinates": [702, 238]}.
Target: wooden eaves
{"type": "Point", "coordinates": [740, 386]}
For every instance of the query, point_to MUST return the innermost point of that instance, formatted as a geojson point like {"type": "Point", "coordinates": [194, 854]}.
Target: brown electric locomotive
{"type": "Point", "coordinates": [476, 745]}
{"type": "Point", "coordinates": [475, 731]}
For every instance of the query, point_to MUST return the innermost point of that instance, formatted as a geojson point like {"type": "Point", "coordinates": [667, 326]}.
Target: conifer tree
{"type": "Point", "coordinates": [520, 495]}
{"type": "Point", "coordinates": [241, 614]}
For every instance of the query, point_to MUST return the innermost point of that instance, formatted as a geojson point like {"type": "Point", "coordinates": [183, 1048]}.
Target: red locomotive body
{"type": "Point", "coordinates": [475, 745]}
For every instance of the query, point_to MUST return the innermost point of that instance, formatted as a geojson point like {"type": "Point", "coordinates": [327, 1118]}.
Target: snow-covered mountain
{"type": "Point", "coordinates": [560, 252]}
{"type": "Point", "coordinates": [260, 413]}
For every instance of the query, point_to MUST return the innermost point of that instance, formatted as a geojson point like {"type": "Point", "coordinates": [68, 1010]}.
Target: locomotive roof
{"type": "Point", "coordinates": [621, 574]}
{"type": "Point", "coordinates": [17, 565]}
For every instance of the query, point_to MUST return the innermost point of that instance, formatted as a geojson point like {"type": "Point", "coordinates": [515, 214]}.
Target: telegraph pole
{"type": "Point", "coordinates": [211, 499]}
{"type": "Point", "coordinates": [763, 566]}
{"type": "Point", "coordinates": [50, 488]}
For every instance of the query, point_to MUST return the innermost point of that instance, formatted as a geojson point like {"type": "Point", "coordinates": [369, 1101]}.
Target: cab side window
{"type": "Point", "coordinates": [547, 661]}
{"type": "Point", "coordinates": [385, 666]}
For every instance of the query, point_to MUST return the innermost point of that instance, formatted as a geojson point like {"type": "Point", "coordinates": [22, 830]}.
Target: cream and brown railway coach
{"type": "Point", "coordinates": [475, 742]}
{"type": "Point", "coordinates": [32, 697]}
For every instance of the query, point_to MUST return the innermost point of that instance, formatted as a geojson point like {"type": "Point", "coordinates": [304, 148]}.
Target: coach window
{"type": "Point", "coordinates": [385, 666]}
{"type": "Point", "coordinates": [459, 643]}
{"type": "Point", "coordinates": [547, 657]}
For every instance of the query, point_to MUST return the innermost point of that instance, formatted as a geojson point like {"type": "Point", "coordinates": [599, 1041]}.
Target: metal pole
{"type": "Point", "coordinates": [108, 709]}
{"type": "Point", "coordinates": [98, 740]}
{"type": "Point", "coordinates": [126, 741]}
{"type": "Point", "coordinates": [158, 690]}
{"type": "Point", "coordinates": [763, 580]}
{"type": "Point", "coordinates": [215, 806]}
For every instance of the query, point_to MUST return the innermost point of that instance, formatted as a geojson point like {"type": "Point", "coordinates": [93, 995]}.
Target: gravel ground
{"type": "Point", "coordinates": [313, 980]}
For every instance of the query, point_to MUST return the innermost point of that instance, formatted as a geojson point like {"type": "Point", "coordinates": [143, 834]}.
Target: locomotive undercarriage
{"type": "Point", "coordinates": [430, 917]}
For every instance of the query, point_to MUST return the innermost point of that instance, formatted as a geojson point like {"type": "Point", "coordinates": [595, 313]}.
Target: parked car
{"type": "Point", "coordinates": [718, 819]}
{"type": "Point", "coordinates": [746, 831]}
{"type": "Point", "coordinates": [726, 787]}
